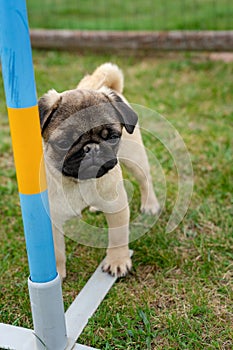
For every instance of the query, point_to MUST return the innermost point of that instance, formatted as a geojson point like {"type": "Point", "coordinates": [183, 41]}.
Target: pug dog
{"type": "Point", "coordinates": [87, 133]}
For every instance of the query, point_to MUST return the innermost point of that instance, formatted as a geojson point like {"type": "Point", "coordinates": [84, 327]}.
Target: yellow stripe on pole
{"type": "Point", "coordinates": [28, 154]}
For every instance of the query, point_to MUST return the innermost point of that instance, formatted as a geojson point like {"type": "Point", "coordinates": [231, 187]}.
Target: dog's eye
{"type": "Point", "coordinates": [110, 136]}
{"type": "Point", "coordinates": [113, 138]}
{"type": "Point", "coordinates": [63, 144]}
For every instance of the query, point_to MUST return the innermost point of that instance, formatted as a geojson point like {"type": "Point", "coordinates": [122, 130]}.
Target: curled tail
{"type": "Point", "coordinates": [108, 75]}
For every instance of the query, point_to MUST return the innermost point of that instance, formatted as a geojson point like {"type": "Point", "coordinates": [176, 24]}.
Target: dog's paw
{"type": "Point", "coordinates": [151, 207]}
{"type": "Point", "coordinates": [117, 266]}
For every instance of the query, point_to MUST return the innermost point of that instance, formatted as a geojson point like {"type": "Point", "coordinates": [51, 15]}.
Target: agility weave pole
{"type": "Point", "coordinates": [53, 330]}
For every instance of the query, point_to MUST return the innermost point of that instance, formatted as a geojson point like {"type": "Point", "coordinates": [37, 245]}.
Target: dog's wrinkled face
{"type": "Point", "coordinates": [82, 130]}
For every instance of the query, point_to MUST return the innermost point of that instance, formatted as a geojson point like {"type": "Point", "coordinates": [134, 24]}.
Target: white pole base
{"type": "Point", "coordinates": [76, 317]}
{"type": "Point", "coordinates": [48, 314]}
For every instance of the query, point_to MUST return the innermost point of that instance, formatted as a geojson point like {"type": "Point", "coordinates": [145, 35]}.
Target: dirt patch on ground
{"type": "Point", "coordinates": [226, 57]}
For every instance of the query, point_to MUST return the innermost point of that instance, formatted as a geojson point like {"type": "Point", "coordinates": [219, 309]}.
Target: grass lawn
{"type": "Point", "coordinates": [179, 295]}
{"type": "Point", "coordinates": [131, 15]}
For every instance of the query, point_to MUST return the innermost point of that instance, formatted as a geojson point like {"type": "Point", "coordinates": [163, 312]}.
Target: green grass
{"type": "Point", "coordinates": [179, 295]}
{"type": "Point", "coordinates": [131, 15]}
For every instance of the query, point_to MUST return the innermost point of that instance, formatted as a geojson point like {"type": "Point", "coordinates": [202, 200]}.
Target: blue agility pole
{"type": "Point", "coordinates": [50, 322]}
{"type": "Point", "coordinates": [18, 75]}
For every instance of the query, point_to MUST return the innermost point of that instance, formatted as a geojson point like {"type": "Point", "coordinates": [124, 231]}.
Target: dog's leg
{"type": "Point", "coordinates": [133, 155]}
{"type": "Point", "coordinates": [59, 245]}
{"type": "Point", "coordinates": [113, 202]}
{"type": "Point", "coordinates": [149, 201]}
{"type": "Point", "coordinates": [118, 262]}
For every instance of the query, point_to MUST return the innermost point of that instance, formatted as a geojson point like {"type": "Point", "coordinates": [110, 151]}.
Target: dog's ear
{"type": "Point", "coordinates": [48, 104]}
{"type": "Point", "coordinates": [126, 114]}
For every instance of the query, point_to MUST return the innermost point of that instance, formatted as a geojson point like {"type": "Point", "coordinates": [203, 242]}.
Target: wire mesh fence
{"type": "Point", "coordinates": [131, 14]}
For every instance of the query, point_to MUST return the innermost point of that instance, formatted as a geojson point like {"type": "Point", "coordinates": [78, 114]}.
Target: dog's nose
{"type": "Point", "coordinates": [91, 147]}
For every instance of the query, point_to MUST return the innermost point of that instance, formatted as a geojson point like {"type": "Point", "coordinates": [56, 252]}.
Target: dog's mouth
{"type": "Point", "coordinates": [88, 169]}
{"type": "Point", "coordinates": [95, 170]}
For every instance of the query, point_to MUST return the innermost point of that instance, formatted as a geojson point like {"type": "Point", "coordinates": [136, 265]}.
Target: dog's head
{"type": "Point", "coordinates": [82, 130]}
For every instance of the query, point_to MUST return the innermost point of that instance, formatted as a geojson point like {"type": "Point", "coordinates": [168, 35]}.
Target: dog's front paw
{"type": "Point", "coordinates": [151, 206]}
{"type": "Point", "coordinates": [117, 266]}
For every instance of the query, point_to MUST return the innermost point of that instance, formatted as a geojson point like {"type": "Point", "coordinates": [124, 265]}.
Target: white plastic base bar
{"type": "Point", "coordinates": [82, 347]}
{"type": "Point", "coordinates": [17, 338]}
{"type": "Point", "coordinates": [88, 301]}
